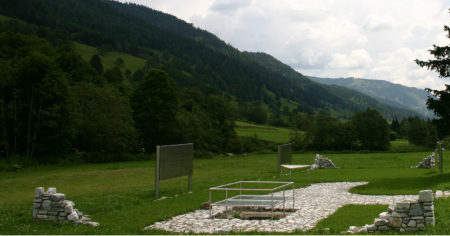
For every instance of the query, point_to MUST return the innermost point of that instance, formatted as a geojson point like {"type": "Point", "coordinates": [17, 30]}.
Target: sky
{"type": "Point", "coordinates": [370, 39]}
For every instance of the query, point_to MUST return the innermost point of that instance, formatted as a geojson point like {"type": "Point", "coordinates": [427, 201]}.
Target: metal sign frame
{"type": "Point", "coordinates": [284, 154]}
{"type": "Point", "coordinates": [174, 161]}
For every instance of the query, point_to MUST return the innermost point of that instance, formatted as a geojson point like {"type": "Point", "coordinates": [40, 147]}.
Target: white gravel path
{"type": "Point", "coordinates": [312, 204]}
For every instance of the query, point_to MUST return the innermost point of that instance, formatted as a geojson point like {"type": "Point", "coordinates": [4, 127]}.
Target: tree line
{"type": "Point", "coordinates": [367, 130]}
{"type": "Point", "coordinates": [53, 103]}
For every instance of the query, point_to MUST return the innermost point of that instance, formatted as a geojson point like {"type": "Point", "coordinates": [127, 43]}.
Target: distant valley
{"type": "Point", "coordinates": [395, 95]}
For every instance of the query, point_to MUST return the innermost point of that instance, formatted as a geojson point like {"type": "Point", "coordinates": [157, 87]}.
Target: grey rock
{"type": "Point", "coordinates": [385, 215]}
{"type": "Point", "coordinates": [77, 222]}
{"type": "Point", "coordinates": [415, 210]}
{"type": "Point", "coordinates": [36, 205]}
{"type": "Point", "coordinates": [61, 218]}
{"type": "Point", "coordinates": [411, 229]}
{"type": "Point", "coordinates": [429, 220]}
{"type": "Point", "coordinates": [402, 205]}
{"type": "Point", "coordinates": [51, 190]}
{"type": "Point", "coordinates": [38, 200]}
{"type": "Point", "coordinates": [396, 222]}
{"type": "Point", "coordinates": [42, 216]}
{"type": "Point", "coordinates": [420, 225]}
{"type": "Point", "coordinates": [426, 196]}
{"type": "Point", "coordinates": [417, 218]}
{"type": "Point", "coordinates": [412, 223]}
{"type": "Point", "coordinates": [383, 228]}
{"type": "Point", "coordinates": [73, 216]}
{"type": "Point", "coordinates": [35, 212]}
{"type": "Point", "coordinates": [379, 222]}
{"type": "Point", "coordinates": [58, 197]}
{"type": "Point", "coordinates": [428, 214]}
{"type": "Point", "coordinates": [68, 209]}
{"type": "Point", "coordinates": [43, 212]}
{"type": "Point", "coordinates": [396, 214]}
{"type": "Point", "coordinates": [54, 218]}
{"type": "Point", "coordinates": [439, 194]}
{"type": "Point", "coordinates": [58, 209]}
{"type": "Point", "coordinates": [52, 213]}
{"type": "Point", "coordinates": [428, 208]}
{"type": "Point", "coordinates": [46, 204]}
{"type": "Point", "coordinates": [38, 192]}
{"type": "Point", "coordinates": [205, 205]}
{"type": "Point", "coordinates": [93, 224]}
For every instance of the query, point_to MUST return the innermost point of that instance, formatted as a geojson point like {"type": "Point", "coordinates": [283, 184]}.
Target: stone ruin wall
{"type": "Point", "coordinates": [428, 162]}
{"type": "Point", "coordinates": [410, 215]}
{"type": "Point", "coordinates": [52, 206]}
{"type": "Point", "coordinates": [323, 163]}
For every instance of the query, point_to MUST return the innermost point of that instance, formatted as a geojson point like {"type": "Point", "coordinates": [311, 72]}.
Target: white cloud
{"type": "Point", "coordinates": [362, 38]}
{"type": "Point", "coordinates": [229, 6]}
{"type": "Point", "coordinates": [379, 22]}
{"type": "Point", "coordinates": [356, 60]}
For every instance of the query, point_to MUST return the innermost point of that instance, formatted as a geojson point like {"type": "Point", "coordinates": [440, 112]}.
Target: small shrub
{"type": "Point", "coordinates": [203, 154]}
{"type": "Point", "coordinates": [393, 136]}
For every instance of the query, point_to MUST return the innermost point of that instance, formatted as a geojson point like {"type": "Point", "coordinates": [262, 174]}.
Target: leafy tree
{"type": "Point", "coordinates": [295, 135]}
{"type": "Point", "coordinates": [422, 133]}
{"type": "Point", "coordinates": [441, 65]}
{"type": "Point", "coordinates": [105, 120]}
{"type": "Point", "coordinates": [395, 125]}
{"type": "Point", "coordinates": [155, 104]}
{"type": "Point", "coordinates": [286, 110]}
{"type": "Point", "coordinates": [37, 109]}
{"type": "Point", "coordinates": [392, 136]}
{"type": "Point", "coordinates": [258, 115]}
{"type": "Point", "coordinates": [120, 62]}
{"type": "Point", "coordinates": [372, 130]}
{"type": "Point", "coordinates": [96, 62]}
{"type": "Point", "coordinates": [222, 117]}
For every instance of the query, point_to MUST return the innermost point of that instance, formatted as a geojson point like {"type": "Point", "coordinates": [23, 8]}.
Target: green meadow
{"type": "Point", "coordinates": [272, 134]}
{"type": "Point", "coordinates": [121, 196]}
{"type": "Point", "coordinates": [108, 60]}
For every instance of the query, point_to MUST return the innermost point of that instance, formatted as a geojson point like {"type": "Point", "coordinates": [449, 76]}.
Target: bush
{"type": "Point", "coordinates": [392, 136]}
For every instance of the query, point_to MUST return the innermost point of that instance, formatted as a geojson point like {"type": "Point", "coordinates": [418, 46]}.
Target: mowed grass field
{"type": "Point", "coordinates": [273, 134]}
{"type": "Point", "coordinates": [121, 196]}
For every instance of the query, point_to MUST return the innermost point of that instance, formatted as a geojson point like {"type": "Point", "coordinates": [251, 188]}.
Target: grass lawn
{"type": "Point", "coordinates": [273, 134]}
{"type": "Point", "coordinates": [120, 196]}
{"type": "Point", "coordinates": [132, 63]}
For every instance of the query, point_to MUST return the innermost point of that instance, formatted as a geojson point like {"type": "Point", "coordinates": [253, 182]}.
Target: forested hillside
{"type": "Point", "coordinates": [191, 56]}
{"type": "Point", "coordinates": [351, 99]}
{"type": "Point", "coordinates": [184, 85]}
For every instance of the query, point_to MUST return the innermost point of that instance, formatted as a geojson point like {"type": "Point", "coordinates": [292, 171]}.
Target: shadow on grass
{"type": "Point", "coordinates": [407, 185]}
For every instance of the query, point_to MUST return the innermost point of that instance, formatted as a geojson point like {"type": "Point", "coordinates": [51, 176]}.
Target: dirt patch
{"type": "Point", "coordinates": [253, 127]}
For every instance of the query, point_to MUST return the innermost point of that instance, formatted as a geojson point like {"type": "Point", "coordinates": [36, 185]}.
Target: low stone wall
{"type": "Point", "coordinates": [54, 207]}
{"type": "Point", "coordinates": [428, 162]}
{"type": "Point", "coordinates": [403, 216]}
{"type": "Point", "coordinates": [323, 163]}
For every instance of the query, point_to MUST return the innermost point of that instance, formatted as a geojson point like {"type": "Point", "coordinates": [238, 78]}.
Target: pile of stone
{"type": "Point", "coordinates": [322, 163]}
{"type": "Point", "coordinates": [54, 206]}
{"type": "Point", "coordinates": [428, 162]}
{"type": "Point", "coordinates": [403, 216]}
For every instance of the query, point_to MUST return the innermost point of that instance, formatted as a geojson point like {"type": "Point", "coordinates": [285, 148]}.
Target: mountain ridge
{"type": "Point", "coordinates": [396, 95]}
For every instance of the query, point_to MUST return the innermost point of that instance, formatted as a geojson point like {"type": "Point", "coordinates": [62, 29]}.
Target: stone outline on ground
{"type": "Point", "coordinates": [312, 204]}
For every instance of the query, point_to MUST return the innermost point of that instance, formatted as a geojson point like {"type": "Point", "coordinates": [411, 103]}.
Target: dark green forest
{"type": "Point", "coordinates": [55, 106]}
